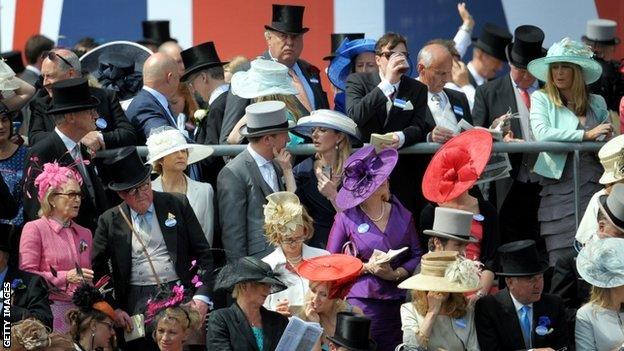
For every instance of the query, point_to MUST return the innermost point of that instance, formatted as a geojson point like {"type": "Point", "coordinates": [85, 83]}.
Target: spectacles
{"type": "Point", "coordinates": [142, 188]}
{"type": "Point", "coordinates": [293, 241]}
{"type": "Point", "coordinates": [388, 54]}
{"type": "Point", "coordinates": [110, 326]}
{"type": "Point", "coordinates": [53, 55]}
{"type": "Point", "coordinates": [71, 195]}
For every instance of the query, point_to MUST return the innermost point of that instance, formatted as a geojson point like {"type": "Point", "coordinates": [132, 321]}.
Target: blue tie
{"type": "Point", "coordinates": [525, 324]}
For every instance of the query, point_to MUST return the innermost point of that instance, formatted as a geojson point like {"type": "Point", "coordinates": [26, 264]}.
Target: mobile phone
{"type": "Point", "coordinates": [327, 171]}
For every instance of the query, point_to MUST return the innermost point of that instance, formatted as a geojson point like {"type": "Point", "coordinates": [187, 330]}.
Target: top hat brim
{"type": "Point", "coordinates": [499, 54]}
{"type": "Point", "coordinates": [137, 53]}
{"type": "Point", "coordinates": [523, 65]}
{"type": "Point", "coordinates": [543, 267]}
{"type": "Point", "coordinates": [431, 232]}
{"type": "Point", "coordinates": [613, 41]}
{"type": "Point", "coordinates": [188, 72]}
{"type": "Point", "coordinates": [74, 108]}
{"type": "Point", "coordinates": [286, 30]}
{"type": "Point", "coordinates": [602, 203]}
{"type": "Point", "coordinates": [245, 133]}
{"type": "Point", "coordinates": [137, 180]}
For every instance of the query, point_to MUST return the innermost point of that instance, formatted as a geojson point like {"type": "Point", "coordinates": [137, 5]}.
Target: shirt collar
{"type": "Point", "coordinates": [34, 69]}
{"type": "Point", "coordinates": [260, 161]}
{"type": "Point", "coordinates": [4, 273]}
{"type": "Point", "coordinates": [57, 226]}
{"type": "Point", "coordinates": [217, 92]}
{"type": "Point", "coordinates": [148, 214]}
{"type": "Point", "coordinates": [162, 99]}
{"type": "Point", "coordinates": [531, 87]}
{"type": "Point", "coordinates": [517, 303]}
{"type": "Point", "coordinates": [479, 79]}
{"type": "Point", "coordinates": [69, 143]}
{"type": "Point", "coordinates": [395, 85]}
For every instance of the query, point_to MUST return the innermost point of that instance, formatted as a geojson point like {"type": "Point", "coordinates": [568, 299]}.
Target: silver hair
{"type": "Point", "coordinates": [72, 58]}
{"type": "Point", "coordinates": [425, 57]}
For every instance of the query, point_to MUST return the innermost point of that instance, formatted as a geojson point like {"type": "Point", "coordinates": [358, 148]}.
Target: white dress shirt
{"type": "Point", "coordinates": [388, 89]}
{"type": "Point", "coordinates": [266, 169]}
{"type": "Point", "coordinates": [217, 92]}
{"type": "Point", "coordinates": [518, 306]}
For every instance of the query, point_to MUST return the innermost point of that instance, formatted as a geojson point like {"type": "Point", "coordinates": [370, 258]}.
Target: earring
{"type": "Point", "coordinates": [337, 146]}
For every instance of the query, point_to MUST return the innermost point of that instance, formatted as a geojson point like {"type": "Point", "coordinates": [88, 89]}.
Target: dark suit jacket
{"type": "Point", "coordinates": [51, 149]}
{"type": "Point", "coordinates": [459, 105]}
{"type": "Point", "coordinates": [8, 205]}
{"type": "Point", "coordinates": [208, 134]}
{"type": "Point", "coordinates": [229, 330]}
{"type": "Point", "coordinates": [185, 242]}
{"type": "Point", "coordinates": [241, 193]}
{"type": "Point", "coordinates": [118, 132]}
{"type": "Point", "coordinates": [32, 300]}
{"type": "Point", "coordinates": [146, 113]}
{"type": "Point", "coordinates": [235, 106]}
{"type": "Point", "coordinates": [498, 326]}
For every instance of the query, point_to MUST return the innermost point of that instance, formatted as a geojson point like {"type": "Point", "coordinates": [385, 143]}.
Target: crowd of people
{"type": "Point", "coordinates": [108, 247]}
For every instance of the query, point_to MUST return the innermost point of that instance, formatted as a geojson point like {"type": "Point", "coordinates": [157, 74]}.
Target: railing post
{"type": "Point", "coordinates": [577, 197]}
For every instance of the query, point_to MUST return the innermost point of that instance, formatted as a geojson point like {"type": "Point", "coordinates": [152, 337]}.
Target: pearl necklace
{"type": "Point", "coordinates": [383, 212]}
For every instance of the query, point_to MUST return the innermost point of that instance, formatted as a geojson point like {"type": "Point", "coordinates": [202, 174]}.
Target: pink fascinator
{"type": "Point", "coordinates": [54, 175]}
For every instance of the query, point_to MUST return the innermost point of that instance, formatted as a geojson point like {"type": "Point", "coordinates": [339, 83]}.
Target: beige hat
{"type": "Point", "coordinates": [166, 140]}
{"type": "Point", "coordinates": [7, 77]}
{"type": "Point", "coordinates": [611, 156]}
{"type": "Point", "coordinates": [445, 271]}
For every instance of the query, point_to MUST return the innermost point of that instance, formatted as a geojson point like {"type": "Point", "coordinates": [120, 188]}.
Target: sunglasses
{"type": "Point", "coordinates": [388, 54]}
{"type": "Point", "coordinates": [51, 55]}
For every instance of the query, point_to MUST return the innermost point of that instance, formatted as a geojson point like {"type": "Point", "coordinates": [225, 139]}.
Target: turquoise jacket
{"type": "Point", "coordinates": [552, 123]}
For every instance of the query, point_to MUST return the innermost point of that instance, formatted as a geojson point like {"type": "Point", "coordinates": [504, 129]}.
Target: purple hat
{"type": "Point", "coordinates": [364, 173]}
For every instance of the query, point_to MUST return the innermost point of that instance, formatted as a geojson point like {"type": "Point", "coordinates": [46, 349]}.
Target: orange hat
{"type": "Point", "coordinates": [339, 269]}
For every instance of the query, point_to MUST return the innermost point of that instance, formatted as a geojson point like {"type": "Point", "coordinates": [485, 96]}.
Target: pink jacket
{"type": "Point", "coordinates": [46, 243]}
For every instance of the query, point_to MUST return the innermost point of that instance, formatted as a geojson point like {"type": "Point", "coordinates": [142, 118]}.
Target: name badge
{"type": "Point", "coordinates": [478, 217]}
{"type": "Point", "coordinates": [314, 80]}
{"type": "Point", "coordinates": [363, 228]}
{"type": "Point", "coordinates": [461, 323]}
{"type": "Point", "coordinates": [170, 222]}
{"type": "Point", "coordinates": [399, 103]}
{"type": "Point", "coordinates": [458, 110]}
{"type": "Point", "coordinates": [101, 123]}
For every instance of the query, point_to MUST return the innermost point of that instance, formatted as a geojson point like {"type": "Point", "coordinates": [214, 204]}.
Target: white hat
{"type": "Point", "coordinates": [165, 141]}
{"type": "Point", "coordinates": [453, 224]}
{"type": "Point", "coordinates": [265, 77]}
{"type": "Point", "coordinates": [7, 77]}
{"type": "Point", "coordinates": [327, 119]}
{"type": "Point", "coordinates": [601, 263]}
{"type": "Point", "coordinates": [611, 156]}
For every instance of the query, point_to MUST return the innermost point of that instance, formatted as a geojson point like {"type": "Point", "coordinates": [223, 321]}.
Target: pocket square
{"type": "Point", "coordinates": [458, 110]}
{"type": "Point", "coordinates": [408, 106]}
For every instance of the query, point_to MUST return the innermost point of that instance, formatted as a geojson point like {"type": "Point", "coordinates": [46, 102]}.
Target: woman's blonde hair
{"type": "Point", "coordinates": [338, 305]}
{"type": "Point", "coordinates": [600, 296]}
{"type": "Point", "coordinates": [580, 93]}
{"type": "Point", "coordinates": [45, 206]}
{"type": "Point", "coordinates": [343, 147]}
{"type": "Point", "coordinates": [456, 305]}
{"type": "Point", "coordinates": [292, 104]}
{"type": "Point", "coordinates": [185, 316]}
{"type": "Point", "coordinates": [275, 236]}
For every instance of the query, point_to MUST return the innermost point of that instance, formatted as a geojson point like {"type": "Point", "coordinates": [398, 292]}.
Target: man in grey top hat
{"type": "Point", "coordinates": [245, 182]}
{"type": "Point", "coordinates": [600, 36]}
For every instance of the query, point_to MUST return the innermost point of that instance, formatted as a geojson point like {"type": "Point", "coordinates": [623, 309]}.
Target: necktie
{"type": "Point", "coordinates": [301, 93]}
{"type": "Point", "coordinates": [145, 228]}
{"type": "Point", "coordinates": [524, 94]}
{"type": "Point", "coordinates": [272, 176]}
{"type": "Point", "coordinates": [525, 324]}
{"type": "Point", "coordinates": [76, 155]}
{"type": "Point", "coordinates": [438, 100]}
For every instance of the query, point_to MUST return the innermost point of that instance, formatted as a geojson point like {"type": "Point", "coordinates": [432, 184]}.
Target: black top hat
{"type": "Point", "coordinates": [14, 60]}
{"type": "Point", "coordinates": [126, 169]}
{"type": "Point", "coordinates": [6, 231]}
{"type": "Point", "coordinates": [493, 40]}
{"type": "Point", "coordinates": [520, 259]}
{"type": "Point", "coordinates": [248, 269]}
{"type": "Point", "coordinates": [526, 47]}
{"type": "Point", "coordinates": [287, 19]}
{"type": "Point", "coordinates": [156, 32]}
{"type": "Point", "coordinates": [353, 332]}
{"type": "Point", "coordinates": [200, 57]}
{"type": "Point", "coordinates": [338, 38]}
{"type": "Point", "coordinates": [72, 95]}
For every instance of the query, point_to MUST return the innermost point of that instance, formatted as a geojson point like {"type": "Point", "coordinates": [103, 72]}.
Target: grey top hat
{"type": "Point", "coordinates": [612, 206]}
{"type": "Point", "coordinates": [453, 224]}
{"type": "Point", "coordinates": [601, 31]}
{"type": "Point", "coordinates": [267, 117]}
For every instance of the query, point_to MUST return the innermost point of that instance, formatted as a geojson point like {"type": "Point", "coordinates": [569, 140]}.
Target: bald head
{"type": "Point", "coordinates": [173, 50]}
{"type": "Point", "coordinates": [160, 72]}
{"type": "Point", "coordinates": [435, 64]}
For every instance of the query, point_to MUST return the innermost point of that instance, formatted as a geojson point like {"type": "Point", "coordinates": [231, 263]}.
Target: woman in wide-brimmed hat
{"type": "Point", "coordinates": [246, 325]}
{"type": "Point", "coordinates": [91, 323]}
{"type": "Point", "coordinates": [565, 111]}
{"type": "Point", "coordinates": [170, 154]}
{"type": "Point", "coordinates": [288, 226]}
{"type": "Point", "coordinates": [599, 322]}
{"type": "Point", "coordinates": [439, 316]}
{"type": "Point", "coordinates": [447, 183]}
{"type": "Point", "coordinates": [373, 219]}
{"type": "Point", "coordinates": [330, 279]}
{"type": "Point", "coordinates": [319, 176]}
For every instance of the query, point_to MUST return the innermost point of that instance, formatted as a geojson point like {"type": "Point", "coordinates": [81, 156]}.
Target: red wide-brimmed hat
{"type": "Point", "coordinates": [339, 269]}
{"type": "Point", "coordinates": [457, 165]}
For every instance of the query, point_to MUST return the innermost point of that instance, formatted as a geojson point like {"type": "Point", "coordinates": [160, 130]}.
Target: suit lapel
{"type": "Point", "coordinates": [509, 96]}
{"type": "Point", "coordinates": [280, 175]}
{"type": "Point", "coordinates": [169, 233]}
{"type": "Point", "coordinates": [164, 109]}
{"type": "Point", "coordinates": [515, 331]}
{"type": "Point", "coordinates": [539, 309]}
{"type": "Point", "coordinates": [256, 177]}
{"type": "Point", "coordinates": [124, 233]}
{"type": "Point", "coordinates": [269, 330]}
{"type": "Point", "coordinates": [244, 326]}
{"type": "Point", "coordinates": [455, 104]}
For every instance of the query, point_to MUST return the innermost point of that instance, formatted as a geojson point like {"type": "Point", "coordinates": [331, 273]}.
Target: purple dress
{"type": "Point", "coordinates": [379, 299]}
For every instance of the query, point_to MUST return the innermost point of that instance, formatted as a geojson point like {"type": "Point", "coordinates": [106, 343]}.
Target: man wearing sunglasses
{"type": "Point", "coordinates": [113, 130]}
{"type": "Point", "coordinates": [389, 101]}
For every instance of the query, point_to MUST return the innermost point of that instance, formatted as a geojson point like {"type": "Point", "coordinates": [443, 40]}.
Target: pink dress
{"type": "Point", "coordinates": [51, 250]}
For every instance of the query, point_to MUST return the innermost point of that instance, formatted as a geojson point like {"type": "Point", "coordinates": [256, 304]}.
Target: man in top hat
{"type": "Point", "coordinates": [148, 240]}
{"type": "Point", "coordinates": [518, 197]}
{"type": "Point", "coordinates": [521, 317]}
{"type": "Point", "coordinates": [284, 39]}
{"type": "Point", "coordinates": [352, 333]}
{"type": "Point", "coordinates": [113, 129]}
{"type": "Point", "coordinates": [245, 182]}
{"type": "Point", "coordinates": [155, 33]}
{"type": "Point", "coordinates": [204, 76]}
{"type": "Point", "coordinates": [150, 107]}
{"type": "Point", "coordinates": [445, 107]}
{"type": "Point", "coordinates": [389, 101]}
{"type": "Point", "coordinates": [488, 57]}
{"type": "Point", "coordinates": [600, 36]}
{"type": "Point", "coordinates": [29, 292]}
{"type": "Point", "coordinates": [74, 111]}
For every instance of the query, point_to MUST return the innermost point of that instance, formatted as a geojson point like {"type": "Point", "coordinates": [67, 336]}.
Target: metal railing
{"type": "Point", "coordinates": [430, 148]}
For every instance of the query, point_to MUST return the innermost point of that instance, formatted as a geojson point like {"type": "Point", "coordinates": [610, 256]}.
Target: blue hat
{"type": "Point", "coordinates": [601, 263]}
{"type": "Point", "coordinates": [328, 119]}
{"type": "Point", "coordinates": [340, 66]}
{"type": "Point", "coordinates": [567, 50]}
